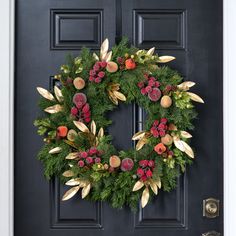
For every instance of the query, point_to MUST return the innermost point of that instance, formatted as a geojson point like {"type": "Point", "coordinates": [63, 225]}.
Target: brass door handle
{"type": "Point", "coordinates": [211, 207]}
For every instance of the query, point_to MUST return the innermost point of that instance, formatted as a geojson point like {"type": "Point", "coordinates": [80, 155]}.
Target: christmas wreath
{"type": "Point", "coordinates": [77, 148]}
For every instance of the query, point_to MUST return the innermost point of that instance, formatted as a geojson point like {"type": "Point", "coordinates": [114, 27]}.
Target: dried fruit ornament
{"type": "Point", "coordinates": [79, 152]}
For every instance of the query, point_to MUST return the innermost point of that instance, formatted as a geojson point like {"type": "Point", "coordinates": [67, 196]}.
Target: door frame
{"type": "Point", "coordinates": [7, 20]}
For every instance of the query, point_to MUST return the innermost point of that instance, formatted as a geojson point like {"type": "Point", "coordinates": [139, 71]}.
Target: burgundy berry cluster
{"type": "Point", "coordinates": [121, 62]}
{"type": "Point", "coordinates": [81, 110]}
{"type": "Point", "coordinates": [91, 156]}
{"type": "Point", "coordinates": [145, 169]}
{"type": "Point", "coordinates": [159, 128]}
{"type": "Point", "coordinates": [97, 73]}
{"type": "Point", "coordinates": [150, 87]}
{"type": "Point", "coordinates": [168, 88]}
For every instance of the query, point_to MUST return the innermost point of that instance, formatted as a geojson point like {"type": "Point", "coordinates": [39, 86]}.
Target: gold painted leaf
{"type": "Point", "coordinates": [153, 187]}
{"type": "Point", "coordinates": [70, 143]}
{"type": "Point", "coordinates": [81, 126]}
{"type": "Point", "coordinates": [185, 134]}
{"type": "Point", "coordinates": [54, 109]}
{"type": "Point", "coordinates": [108, 56]}
{"type": "Point", "coordinates": [195, 97]}
{"type": "Point", "coordinates": [100, 133]}
{"type": "Point", "coordinates": [58, 94]}
{"type": "Point", "coordinates": [68, 173]}
{"type": "Point", "coordinates": [151, 51]}
{"type": "Point", "coordinates": [114, 86]}
{"type": "Point", "coordinates": [70, 193]}
{"type": "Point", "coordinates": [86, 190]}
{"type": "Point", "coordinates": [138, 185]}
{"type": "Point", "coordinates": [188, 150]}
{"type": "Point", "coordinates": [112, 97]}
{"type": "Point", "coordinates": [72, 156]}
{"type": "Point", "coordinates": [45, 93]}
{"type": "Point", "coordinates": [93, 127]}
{"type": "Point", "coordinates": [145, 197]}
{"type": "Point", "coordinates": [158, 182]}
{"type": "Point", "coordinates": [55, 150]}
{"type": "Point", "coordinates": [73, 182]}
{"type": "Point", "coordinates": [186, 85]}
{"type": "Point", "coordinates": [95, 56]}
{"type": "Point", "coordinates": [139, 135]}
{"type": "Point", "coordinates": [104, 49]}
{"type": "Point", "coordinates": [178, 143]}
{"type": "Point", "coordinates": [165, 59]}
{"type": "Point", "coordinates": [119, 95]}
{"type": "Point", "coordinates": [141, 143]}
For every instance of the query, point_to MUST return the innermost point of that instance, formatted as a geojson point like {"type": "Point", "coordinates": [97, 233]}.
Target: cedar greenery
{"type": "Point", "coordinates": [115, 186]}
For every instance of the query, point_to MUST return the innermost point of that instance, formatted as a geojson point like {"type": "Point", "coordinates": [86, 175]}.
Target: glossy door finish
{"type": "Point", "coordinates": [46, 31]}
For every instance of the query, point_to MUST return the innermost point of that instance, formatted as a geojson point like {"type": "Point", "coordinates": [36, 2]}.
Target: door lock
{"type": "Point", "coordinates": [211, 207]}
{"type": "Point", "coordinates": [211, 233]}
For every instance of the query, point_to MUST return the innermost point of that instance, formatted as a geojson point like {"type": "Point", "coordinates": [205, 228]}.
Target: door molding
{"type": "Point", "coordinates": [7, 117]}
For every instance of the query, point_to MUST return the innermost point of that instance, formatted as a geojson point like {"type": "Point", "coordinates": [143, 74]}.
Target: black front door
{"type": "Point", "coordinates": [46, 31]}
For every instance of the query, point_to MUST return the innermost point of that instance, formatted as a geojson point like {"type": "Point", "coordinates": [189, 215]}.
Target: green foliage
{"type": "Point", "coordinates": [115, 186]}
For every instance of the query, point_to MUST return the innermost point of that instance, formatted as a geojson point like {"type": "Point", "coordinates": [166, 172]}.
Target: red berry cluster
{"type": "Point", "coordinates": [91, 156]}
{"type": "Point", "coordinates": [159, 128]}
{"type": "Point", "coordinates": [145, 169]}
{"type": "Point", "coordinates": [150, 87]}
{"type": "Point", "coordinates": [97, 73]}
{"type": "Point", "coordinates": [168, 88]}
{"type": "Point", "coordinates": [121, 62]}
{"type": "Point", "coordinates": [81, 110]}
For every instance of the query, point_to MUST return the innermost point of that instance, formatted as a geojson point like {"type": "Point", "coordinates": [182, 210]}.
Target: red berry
{"type": "Point", "coordinates": [149, 173]}
{"type": "Point", "coordinates": [140, 84]}
{"type": "Point", "coordinates": [162, 126]}
{"type": "Point", "coordinates": [140, 172]}
{"type": "Point", "coordinates": [91, 78]}
{"type": "Point", "coordinates": [144, 178]}
{"type": "Point", "coordinates": [87, 114]}
{"type": "Point", "coordinates": [97, 160]}
{"type": "Point", "coordinates": [93, 150]}
{"type": "Point", "coordinates": [103, 64]}
{"type": "Point", "coordinates": [162, 133]}
{"type": "Point", "coordinates": [143, 91]}
{"type": "Point", "coordinates": [151, 83]}
{"type": "Point", "coordinates": [92, 72]}
{"type": "Point", "coordinates": [89, 160]}
{"type": "Point", "coordinates": [151, 163]}
{"type": "Point", "coordinates": [97, 80]}
{"type": "Point", "coordinates": [143, 163]}
{"type": "Point", "coordinates": [164, 120]}
{"type": "Point", "coordinates": [101, 74]}
{"type": "Point", "coordinates": [74, 111]}
{"type": "Point", "coordinates": [81, 163]}
{"type": "Point", "coordinates": [86, 108]}
{"type": "Point", "coordinates": [83, 154]}
{"type": "Point", "coordinates": [148, 89]}
{"type": "Point", "coordinates": [87, 120]}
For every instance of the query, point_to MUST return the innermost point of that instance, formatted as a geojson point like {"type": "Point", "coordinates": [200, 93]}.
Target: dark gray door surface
{"type": "Point", "coordinates": [46, 31]}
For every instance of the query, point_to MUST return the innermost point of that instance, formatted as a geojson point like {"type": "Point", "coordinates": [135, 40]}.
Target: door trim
{"type": "Point", "coordinates": [7, 115]}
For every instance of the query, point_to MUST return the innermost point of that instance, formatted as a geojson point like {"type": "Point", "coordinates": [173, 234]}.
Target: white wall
{"type": "Point", "coordinates": [6, 88]}
{"type": "Point", "coordinates": [230, 116]}
{"type": "Point", "coordinates": [6, 117]}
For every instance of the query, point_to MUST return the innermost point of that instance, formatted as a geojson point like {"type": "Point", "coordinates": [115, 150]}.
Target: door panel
{"type": "Point", "coordinates": [46, 31]}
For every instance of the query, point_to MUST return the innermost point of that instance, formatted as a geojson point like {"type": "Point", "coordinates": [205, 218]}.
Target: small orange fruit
{"type": "Point", "coordinates": [62, 131]}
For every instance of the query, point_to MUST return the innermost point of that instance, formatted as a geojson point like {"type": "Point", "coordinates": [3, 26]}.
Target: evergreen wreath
{"type": "Point", "coordinates": [78, 151]}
